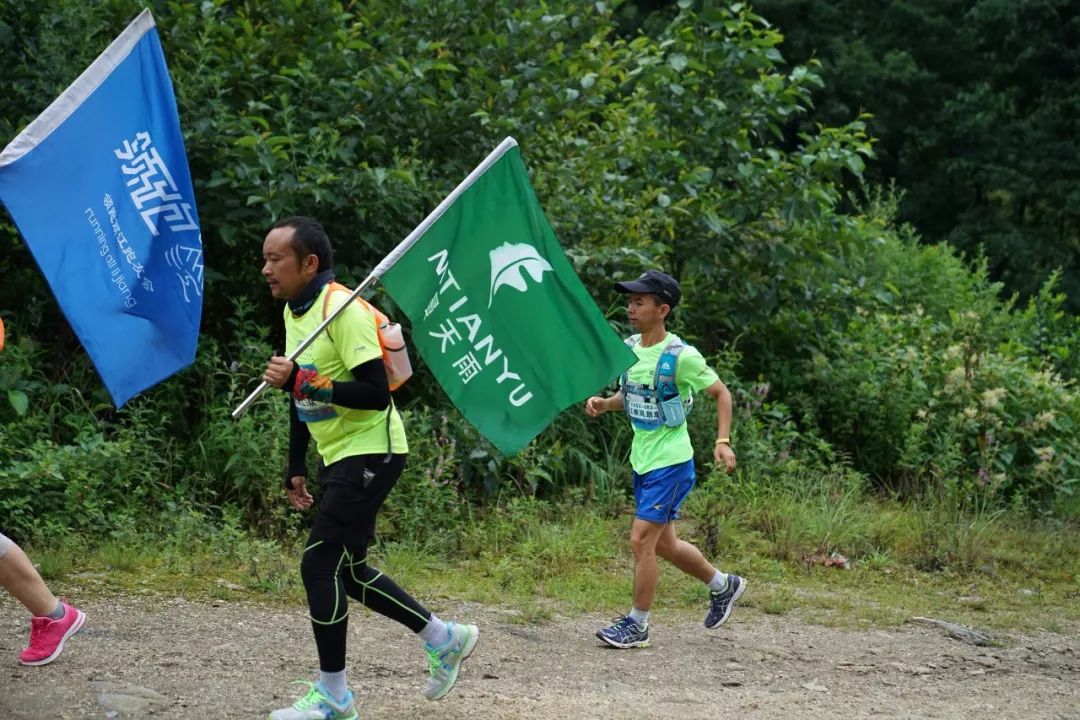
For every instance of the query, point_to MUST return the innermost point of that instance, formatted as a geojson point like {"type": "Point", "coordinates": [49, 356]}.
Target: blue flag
{"type": "Point", "coordinates": [99, 187]}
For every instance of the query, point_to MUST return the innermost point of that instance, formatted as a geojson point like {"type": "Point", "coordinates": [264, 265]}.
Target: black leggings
{"type": "Point", "coordinates": [334, 567]}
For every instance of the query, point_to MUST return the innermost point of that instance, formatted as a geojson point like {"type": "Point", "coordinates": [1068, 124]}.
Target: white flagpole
{"type": "Point", "coordinates": [388, 262]}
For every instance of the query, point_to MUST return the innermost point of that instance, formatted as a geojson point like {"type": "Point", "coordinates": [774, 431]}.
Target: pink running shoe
{"type": "Point", "coordinates": [47, 636]}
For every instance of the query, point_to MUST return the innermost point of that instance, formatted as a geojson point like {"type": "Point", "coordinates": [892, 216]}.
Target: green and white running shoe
{"type": "Point", "coordinates": [317, 705]}
{"type": "Point", "coordinates": [446, 660]}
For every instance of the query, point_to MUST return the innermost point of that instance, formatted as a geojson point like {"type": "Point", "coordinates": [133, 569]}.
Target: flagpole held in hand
{"type": "Point", "coordinates": [388, 261]}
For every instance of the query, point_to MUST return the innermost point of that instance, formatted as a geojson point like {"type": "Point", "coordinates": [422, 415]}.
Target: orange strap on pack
{"type": "Point", "coordinates": [1, 333]}
{"type": "Point", "coordinates": [380, 318]}
{"type": "Point", "coordinates": [391, 342]}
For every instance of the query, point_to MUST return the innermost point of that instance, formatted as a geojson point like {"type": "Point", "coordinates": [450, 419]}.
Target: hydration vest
{"type": "Point", "coordinates": [651, 407]}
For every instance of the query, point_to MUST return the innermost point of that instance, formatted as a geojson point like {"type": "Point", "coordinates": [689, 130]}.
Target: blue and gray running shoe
{"type": "Point", "coordinates": [625, 633]}
{"type": "Point", "coordinates": [721, 601]}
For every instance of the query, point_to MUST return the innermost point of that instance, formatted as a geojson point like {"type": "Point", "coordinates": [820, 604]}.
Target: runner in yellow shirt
{"type": "Point", "coordinates": [340, 397]}
{"type": "Point", "coordinates": [656, 393]}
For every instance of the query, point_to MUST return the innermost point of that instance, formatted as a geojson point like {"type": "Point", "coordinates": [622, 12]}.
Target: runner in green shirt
{"type": "Point", "coordinates": [340, 397]}
{"type": "Point", "coordinates": [656, 401]}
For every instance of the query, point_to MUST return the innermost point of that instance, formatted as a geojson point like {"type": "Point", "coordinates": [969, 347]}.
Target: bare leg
{"type": "Point", "coordinates": [683, 555]}
{"type": "Point", "coordinates": [643, 538]}
{"type": "Point", "coordinates": [18, 577]}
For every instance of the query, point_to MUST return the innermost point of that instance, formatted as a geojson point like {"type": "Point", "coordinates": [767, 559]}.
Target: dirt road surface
{"type": "Point", "coordinates": [173, 658]}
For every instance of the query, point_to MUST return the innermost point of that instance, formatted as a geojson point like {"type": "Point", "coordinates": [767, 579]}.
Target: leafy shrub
{"type": "Point", "coordinates": [855, 343]}
{"type": "Point", "coordinates": [913, 399]}
{"type": "Point", "coordinates": [83, 487]}
{"type": "Point", "coordinates": [427, 506]}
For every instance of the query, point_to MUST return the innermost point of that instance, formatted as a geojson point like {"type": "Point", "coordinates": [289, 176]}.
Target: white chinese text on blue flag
{"type": "Point", "coordinates": [99, 188]}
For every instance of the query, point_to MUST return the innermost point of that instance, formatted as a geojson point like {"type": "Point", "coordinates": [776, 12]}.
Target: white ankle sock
{"type": "Point", "coordinates": [719, 581]}
{"type": "Point", "coordinates": [435, 633]}
{"type": "Point", "coordinates": [335, 684]}
{"type": "Point", "coordinates": [641, 617]}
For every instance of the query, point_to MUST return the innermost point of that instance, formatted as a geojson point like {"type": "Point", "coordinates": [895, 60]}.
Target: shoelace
{"type": "Point", "coordinates": [435, 655]}
{"type": "Point", "coordinates": [623, 623]}
{"type": "Point", "coordinates": [311, 699]}
{"type": "Point", "coordinates": [435, 663]}
{"type": "Point", "coordinates": [37, 629]}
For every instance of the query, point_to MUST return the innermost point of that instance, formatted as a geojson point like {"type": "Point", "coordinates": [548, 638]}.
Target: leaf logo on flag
{"type": "Point", "coordinates": [510, 367]}
{"type": "Point", "coordinates": [507, 263]}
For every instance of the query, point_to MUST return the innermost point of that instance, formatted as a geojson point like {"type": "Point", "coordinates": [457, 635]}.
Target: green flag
{"type": "Point", "coordinates": [497, 311]}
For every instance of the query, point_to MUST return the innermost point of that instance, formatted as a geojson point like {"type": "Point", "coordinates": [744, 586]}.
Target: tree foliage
{"type": "Point", "coordinates": [666, 148]}
{"type": "Point", "coordinates": [975, 106]}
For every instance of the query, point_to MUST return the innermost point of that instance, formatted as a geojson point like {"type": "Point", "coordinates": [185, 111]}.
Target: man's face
{"type": "Point", "coordinates": [645, 310]}
{"type": "Point", "coordinates": [286, 274]}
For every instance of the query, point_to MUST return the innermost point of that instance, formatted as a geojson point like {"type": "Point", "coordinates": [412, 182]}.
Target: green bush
{"type": "Point", "coordinates": [428, 506]}
{"type": "Point", "coordinates": [84, 487]}
{"type": "Point", "coordinates": [915, 400]}
{"type": "Point", "coordinates": [903, 358]}
{"type": "Point", "coordinates": [848, 346]}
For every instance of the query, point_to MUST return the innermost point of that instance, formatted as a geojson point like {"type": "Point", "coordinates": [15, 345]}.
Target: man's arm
{"type": "Point", "coordinates": [597, 405]}
{"type": "Point", "coordinates": [299, 435]}
{"type": "Point", "coordinates": [722, 452]}
{"type": "Point", "coordinates": [368, 390]}
{"type": "Point", "coordinates": [296, 473]}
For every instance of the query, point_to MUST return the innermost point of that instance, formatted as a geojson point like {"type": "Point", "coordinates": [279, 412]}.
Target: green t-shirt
{"type": "Point", "coordinates": [667, 446]}
{"type": "Point", "coordinates": [351, 340]}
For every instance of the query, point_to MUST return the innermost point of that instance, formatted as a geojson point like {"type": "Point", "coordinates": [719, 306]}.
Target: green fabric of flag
{"type": "Point", "coordinates": [498, 312]}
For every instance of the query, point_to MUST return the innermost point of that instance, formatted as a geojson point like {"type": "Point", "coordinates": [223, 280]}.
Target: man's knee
{"type": "Point", "coordinates": [357, 569]}
{"type": "Point", "coordinates": [643, 542]}
{"type": "Point", "coordinates": [319, 569]}
{"type": "Point", "coordinates": [320, 563]}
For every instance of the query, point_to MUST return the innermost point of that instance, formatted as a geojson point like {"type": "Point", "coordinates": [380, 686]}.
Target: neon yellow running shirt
{"type": "Point", "coordinates": [351, 340]}
{"type": "Point", "coordinates": [667, 446]}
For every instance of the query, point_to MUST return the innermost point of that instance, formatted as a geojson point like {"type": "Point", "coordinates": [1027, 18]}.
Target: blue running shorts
{"type": "Point", "coordinates": [659, 493]}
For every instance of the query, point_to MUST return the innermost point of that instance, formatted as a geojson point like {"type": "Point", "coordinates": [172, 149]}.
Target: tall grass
{"type": "Point", "coordinates": [537, 558]}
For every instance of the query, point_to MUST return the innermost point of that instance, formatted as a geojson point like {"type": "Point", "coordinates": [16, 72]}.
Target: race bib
{"type": "Point", "coordinates": [641, 408]}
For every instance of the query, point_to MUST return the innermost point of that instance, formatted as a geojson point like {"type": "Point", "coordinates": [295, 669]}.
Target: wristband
{"type": "Point", "coordinates": [723, 440]}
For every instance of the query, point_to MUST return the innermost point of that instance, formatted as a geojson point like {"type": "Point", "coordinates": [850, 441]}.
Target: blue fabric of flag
{"type": "Point", "coordinates": [100, 190]}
